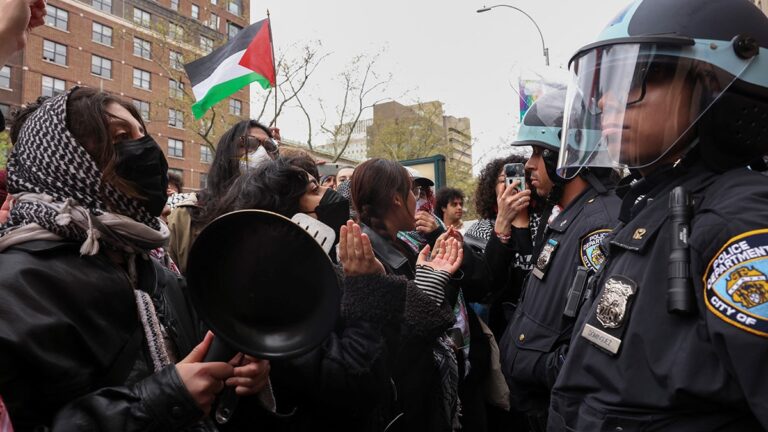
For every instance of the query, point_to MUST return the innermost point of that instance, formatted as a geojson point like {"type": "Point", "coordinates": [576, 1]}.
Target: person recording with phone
{"type": "Point", "coordinates": [580, 213]}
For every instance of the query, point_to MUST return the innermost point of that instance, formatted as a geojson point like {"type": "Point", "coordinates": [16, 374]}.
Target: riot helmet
{"type": "Point", "coordinates": [541, 129]}
{"type": "Point", "coordinates": [665, 77]}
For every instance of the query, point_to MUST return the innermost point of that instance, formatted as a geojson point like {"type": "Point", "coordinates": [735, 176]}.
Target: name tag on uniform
{"type": "Point", "coordinates": [545, 259]}
{"type": "Point", "coordinates": [606, 326]}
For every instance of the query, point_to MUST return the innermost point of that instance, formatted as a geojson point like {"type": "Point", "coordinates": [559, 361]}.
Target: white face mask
{"type": "Point", "coordinates": [253, 158]}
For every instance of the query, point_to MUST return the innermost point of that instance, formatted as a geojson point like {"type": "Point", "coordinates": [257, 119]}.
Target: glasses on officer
{"type": "Point", "coordinates": [627, 82]}
{"type": "Point", "coordinates": [417, 190]}
{"type": "Point", "coordinates": [250, 143]}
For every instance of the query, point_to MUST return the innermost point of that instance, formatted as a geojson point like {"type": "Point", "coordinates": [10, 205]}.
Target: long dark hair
{"type": "Point", "coordinates": [225, 169]}
{"type": "Point", "coordinates": [375, 183]}
{"type": "Point", "coordinates": [485, 194]}
{"type": "Point", "coordinates": [226, 166]}
{"type": "Point", "coordinates": [276, 186]}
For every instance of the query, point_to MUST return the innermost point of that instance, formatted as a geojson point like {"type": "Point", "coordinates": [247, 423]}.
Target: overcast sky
{"type": "Point", "coordinates": [436, 49]}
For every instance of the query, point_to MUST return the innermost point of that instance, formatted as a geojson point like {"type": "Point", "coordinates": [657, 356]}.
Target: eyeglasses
{"type": "Point", "coordinates": [416, 190]}
{"type": "Point", "coordinates": [251, 142]}
{"type": "Point", "coordinates": [653, 71]}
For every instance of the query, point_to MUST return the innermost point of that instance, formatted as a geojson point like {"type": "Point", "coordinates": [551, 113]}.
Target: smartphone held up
{"type": "Point", "coordinates": [515, 172]}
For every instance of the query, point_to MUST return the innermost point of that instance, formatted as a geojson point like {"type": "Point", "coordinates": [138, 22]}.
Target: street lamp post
{"type": "Point", "coordinates": [543, 45]}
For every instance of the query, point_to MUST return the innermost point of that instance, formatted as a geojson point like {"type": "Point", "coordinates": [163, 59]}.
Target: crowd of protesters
{"type": "Point", "coordinates": [544, 314]}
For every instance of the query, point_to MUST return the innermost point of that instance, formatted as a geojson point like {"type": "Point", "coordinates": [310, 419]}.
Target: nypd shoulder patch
{"type": "Point", "coordinates": [591, 255]}
{"type": "Point", "coordinates": [736, 282]}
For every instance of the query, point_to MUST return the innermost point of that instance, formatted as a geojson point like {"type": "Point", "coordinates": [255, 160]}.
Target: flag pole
{"type": "Point", "coordinates": [274, 65]}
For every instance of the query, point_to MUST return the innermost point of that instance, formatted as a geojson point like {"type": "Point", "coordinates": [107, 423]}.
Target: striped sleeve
{"type": "Point", "coordinates": [432, 282]}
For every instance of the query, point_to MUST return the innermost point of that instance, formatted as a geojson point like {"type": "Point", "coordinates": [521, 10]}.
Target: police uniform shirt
{"type": "Point", "coordinates": [535, 341]}
{"type": "Point", "coordinates": [632, 365]}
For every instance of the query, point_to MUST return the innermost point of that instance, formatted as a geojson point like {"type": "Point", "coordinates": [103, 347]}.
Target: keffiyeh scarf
{"type": "Point", "coordinates": [58, 188]}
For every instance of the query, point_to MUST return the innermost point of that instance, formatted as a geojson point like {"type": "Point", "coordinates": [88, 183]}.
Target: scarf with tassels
{"type": "Point", "coordinates": [47, 162]}
{"type": "Point", "coordinates": [58, 192]}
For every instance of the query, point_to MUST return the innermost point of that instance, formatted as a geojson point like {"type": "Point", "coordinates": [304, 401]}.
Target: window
{"type": "Point", "coordinates": [102, 34]}
{"type": "Point", "coordinates": [142, 79]}
{"type": "Point", "coordinates": [175, 118]}
{"type": "Point", "coordinates": [52, 86]}
{"type": "Point", "coordinates": [206, 44]}
{"type": "Point", "coordinates": [175, 89]}
{"type": "Point", "coordinates": [103, 5]}
{"type": "Point", "coordinates": [143, 108]}
{"type": "Point", "coordinates": [176, 171]}
{"type": "Point", "coordinates": [235, 107]}
{"type": "Point", "coordinates": [232, 29]}
{"type": "Point", "coordinates": [195, 11]}
{"type": "Point", "coordinates": [142, 17]}
{"type": "Point", "coordinates": [175, 5]}
{"type": "Point", "coordinates": [101, 66]}
{"type": "Point", "coordinates": [175, 31]}
{"type": "Point", "coordinates": [176, 149]}
{"type": "Point", "coordinates": [203, 180]}
{"type": "Point", "coordinates": [235, 7]}
{"type": "Point", "coordinates": [142, 48]}
{"type": "Point", "coordinates": [176, 60]}
{"type": "Point", "coordinates": [214, 2]}
{"type": "Point", "coordinates": [206, 155]}
{"type": "Point", "coordinates": [56, 17]}
{"type": "Point", "coordinates": [5, 77]}
{"type": "Point", "coordinates": [6, 110]}
{"type": "Point", "coordinates": [213, 21]}
{"type": "Point", "coordinates": [54, 52]}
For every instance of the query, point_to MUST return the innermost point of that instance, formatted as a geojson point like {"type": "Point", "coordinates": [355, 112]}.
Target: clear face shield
{"type": "Point", "coordinates": [630, 105]}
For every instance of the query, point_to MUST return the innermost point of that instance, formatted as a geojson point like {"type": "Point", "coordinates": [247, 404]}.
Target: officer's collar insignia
{"type": "Point", "coordinates": [606, 326]}
{"type": "Point", "coordinates": [544, 259]}
{"type": "Point", "coordinates": [736, 282]}
{"type": "Point", "coordinates": [639, 234]}
{"type": "Point", "coordinates": [591, 255]}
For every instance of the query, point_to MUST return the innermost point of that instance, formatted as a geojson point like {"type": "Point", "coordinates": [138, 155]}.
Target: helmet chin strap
{"type": "Point", "coordinates": [558, 183]}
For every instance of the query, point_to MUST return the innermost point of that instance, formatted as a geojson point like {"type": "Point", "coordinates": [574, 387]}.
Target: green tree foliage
{"type": "Point", "coordinates": [5, 148]}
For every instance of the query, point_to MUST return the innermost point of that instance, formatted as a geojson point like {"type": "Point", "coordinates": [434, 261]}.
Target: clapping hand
{"type": "Point", "coordinates": [356, 253]}
{"type": "Point", "coordinates": [447, 256]}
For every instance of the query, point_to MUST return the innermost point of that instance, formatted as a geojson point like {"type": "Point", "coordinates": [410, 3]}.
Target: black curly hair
{"type": "Point", "coordinates": [485, 194]}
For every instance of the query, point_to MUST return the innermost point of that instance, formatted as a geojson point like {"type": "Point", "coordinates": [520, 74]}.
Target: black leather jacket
{"type": "Point", "coordinates": [72, 349]}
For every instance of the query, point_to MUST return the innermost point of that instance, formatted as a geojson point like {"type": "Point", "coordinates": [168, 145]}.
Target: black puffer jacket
{"type": "Point", "coordinates": [72, 349]}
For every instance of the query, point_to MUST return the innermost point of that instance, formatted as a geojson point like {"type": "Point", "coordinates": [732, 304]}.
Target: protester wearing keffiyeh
{"type": "Point", "coordinates": [59, 193]}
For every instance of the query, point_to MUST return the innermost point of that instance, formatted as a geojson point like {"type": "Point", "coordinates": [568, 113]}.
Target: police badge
{"type": "Point", "coordinates": [605, 327]}
{"type": "Point", "coordinates": [613, 303]}
{"type": "Point", "coordinates": [544, 259]}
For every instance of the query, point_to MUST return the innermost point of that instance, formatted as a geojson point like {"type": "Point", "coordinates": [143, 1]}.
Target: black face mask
{"type": "Point", "coordinates": [333, 210]}
{"type": "Point", "coordinates": [142, 163]}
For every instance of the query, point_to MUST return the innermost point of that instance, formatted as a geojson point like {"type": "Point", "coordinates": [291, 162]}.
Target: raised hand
{"type": "Point", "coordinates": [425, 222]}
{"type": "Point", "coordinates": [356, 253]}
{"type": "Point", "coordinates": [512, 208]}
{"type": "Point", "coordinates": [447, 256]}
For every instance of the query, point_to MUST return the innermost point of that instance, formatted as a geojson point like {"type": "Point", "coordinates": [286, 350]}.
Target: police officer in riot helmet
{"type": "Point", "coordinates": [582, 210]}
{"type": "Point", "coordinates": [672, 333]}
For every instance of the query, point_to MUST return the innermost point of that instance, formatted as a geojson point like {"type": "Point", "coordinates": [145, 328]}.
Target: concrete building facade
{"type": "Point", "coordinates": [134, 49]}
{"type": "Point", "coordinates": [455, 131]}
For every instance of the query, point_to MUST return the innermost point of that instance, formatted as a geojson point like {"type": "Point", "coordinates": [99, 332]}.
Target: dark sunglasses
{"type": "Point", "coordinates": [251, 142]}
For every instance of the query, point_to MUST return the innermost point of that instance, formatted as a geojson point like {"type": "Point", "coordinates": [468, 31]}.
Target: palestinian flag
{"type": "Point", "coordinates": [246, 58]}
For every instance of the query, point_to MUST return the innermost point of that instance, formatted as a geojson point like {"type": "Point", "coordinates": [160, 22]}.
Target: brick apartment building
{"type": "Point", "coordinates": [135, 49]}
